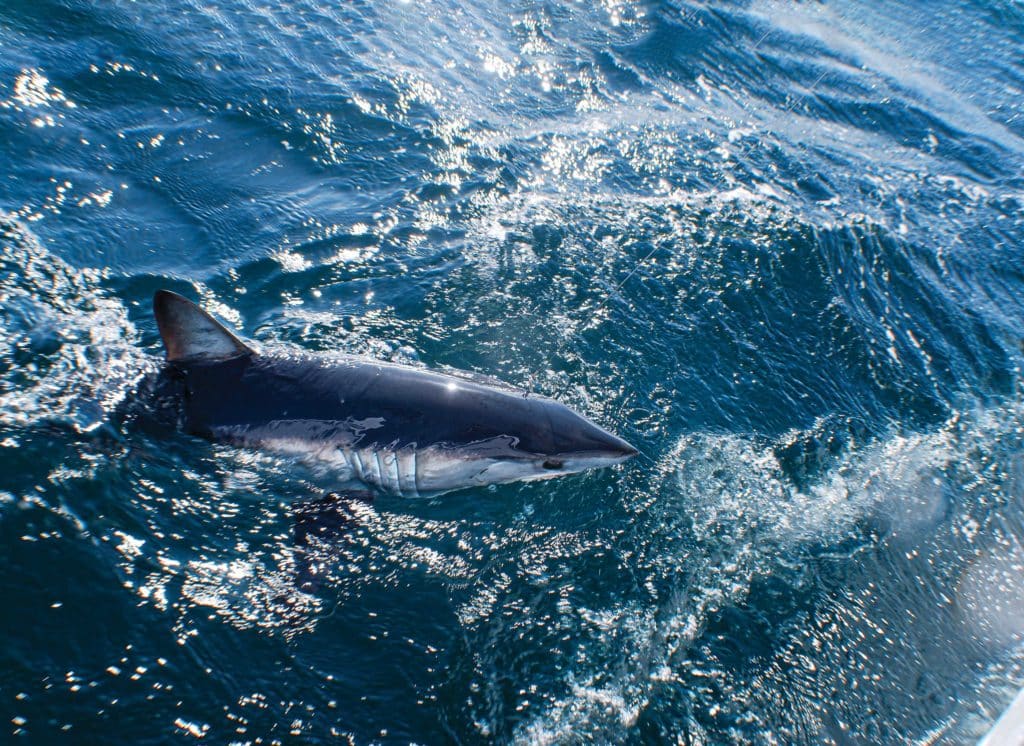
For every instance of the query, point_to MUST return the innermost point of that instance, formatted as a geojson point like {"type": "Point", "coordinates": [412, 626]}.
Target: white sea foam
{"type": "Point", "coordinates": [85, 357]}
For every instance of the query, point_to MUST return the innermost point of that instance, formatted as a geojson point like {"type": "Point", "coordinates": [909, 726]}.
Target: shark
{"type": "Point", "coordinates": [376, 426]}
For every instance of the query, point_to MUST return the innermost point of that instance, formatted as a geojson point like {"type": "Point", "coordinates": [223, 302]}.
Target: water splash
{"type": "Point", "coordinates": [891, 543]}
{"type": "Point", "coordinates": [67, 351]}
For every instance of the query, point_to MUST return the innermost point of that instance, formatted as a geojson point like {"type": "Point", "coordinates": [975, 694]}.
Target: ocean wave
{"type": "Point", "coordinates": [892, 570]}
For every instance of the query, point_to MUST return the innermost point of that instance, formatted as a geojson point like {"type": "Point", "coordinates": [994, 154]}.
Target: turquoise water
{"type": "Point", "coordinates": [777, 246]}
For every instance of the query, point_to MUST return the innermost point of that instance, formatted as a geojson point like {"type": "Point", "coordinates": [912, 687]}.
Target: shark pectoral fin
{"type": "Point", "coordinates": [329, 516]}
{"type": "Point", "coordinates": [189, 332]}
{"type": "Point", "coordinates": [322, 527]}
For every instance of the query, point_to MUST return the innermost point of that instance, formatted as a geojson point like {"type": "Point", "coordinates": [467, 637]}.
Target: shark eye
{"type": "Point", "coordinates": [553, 463]}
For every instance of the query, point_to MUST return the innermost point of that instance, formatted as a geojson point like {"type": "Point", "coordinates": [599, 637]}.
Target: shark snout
{"type": "Point", "coordinates": [620, 448]}
{"type": "Point", "coordinates": [574, 436]}
{"type": "Point", "coordinates": [609, 448]}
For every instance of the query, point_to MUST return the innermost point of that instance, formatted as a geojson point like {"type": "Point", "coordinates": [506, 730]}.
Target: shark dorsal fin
{"type": "Point", "coordinates": [190, 333]}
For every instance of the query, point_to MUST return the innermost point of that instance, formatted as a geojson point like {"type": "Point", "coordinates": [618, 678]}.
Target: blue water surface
{"type": "Point", "coordinates": [776, 245]}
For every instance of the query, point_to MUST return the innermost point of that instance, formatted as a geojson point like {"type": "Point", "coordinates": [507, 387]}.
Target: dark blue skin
{"type": "Point", "coordinates": [418, 407]}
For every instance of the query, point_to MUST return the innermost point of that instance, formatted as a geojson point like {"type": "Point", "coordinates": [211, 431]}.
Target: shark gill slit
{"type": "Point", "coordinates": [405, 463]}
{"type": "Point", "coordinates": [357, 464]}
{"type": "Point", "coordinates": [390, 483]}
{"type": "Point", "coordinates": [396, 473]}
{"type": "Point", "coordinates": [381, 480]}
{"type": "Point", "coordinates": [415, 472]}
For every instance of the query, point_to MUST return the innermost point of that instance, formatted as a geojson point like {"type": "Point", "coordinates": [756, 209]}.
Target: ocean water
{"type": "Point", "coordinates": [776, 245]}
